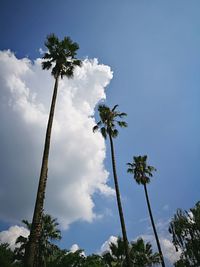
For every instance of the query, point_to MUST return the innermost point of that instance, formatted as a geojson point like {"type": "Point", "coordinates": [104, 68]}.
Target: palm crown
{"type": "Point", "coordinates": [61, 55]}
{"type": "Point", "coordinates": [109, 119]}
{"type": "Point", "coordinates": [142, 253]}
{"type": "Point", "coordinates": [142, 172]}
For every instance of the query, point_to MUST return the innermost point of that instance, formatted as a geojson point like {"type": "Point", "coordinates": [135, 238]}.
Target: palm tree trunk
{"type": "Point", "coordinates": [154, 227]}
{"type": "Point", "coordinates": [128, 260]}
{"type": "Point", "coordinates": [32, 248]}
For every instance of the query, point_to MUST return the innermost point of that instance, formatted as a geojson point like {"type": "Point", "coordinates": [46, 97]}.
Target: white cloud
{"type": "Point", "coordinates": [106, 245]}
{"type": "Point", "coordinates": [74, 248]}
{"type": "Point", "coordinates": [169, 250]}
{"type": "Point", "coordinates": [9, 236]}
{"type": "Point", "coordinates": [41, 51]}
{"type": "Point", "coordinates": [76, 169]}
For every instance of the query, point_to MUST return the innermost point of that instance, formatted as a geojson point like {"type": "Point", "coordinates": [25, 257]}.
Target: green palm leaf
{"type": "Point", "coordinates": [141, 171]}
{"type": "Point", "coordinates": [109, 120]}
{"type": "Point", "coordinates": [62, 54]}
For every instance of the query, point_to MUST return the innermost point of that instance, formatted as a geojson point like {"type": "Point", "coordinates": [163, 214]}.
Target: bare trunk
{"type": "Point", "coordinates": [32, 248]}
{"type": "Point", "coordinates": [125, 239]}
{"type": "Point", "coordinates": [153, 225]}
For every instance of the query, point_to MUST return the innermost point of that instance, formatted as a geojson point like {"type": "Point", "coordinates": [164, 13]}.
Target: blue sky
{"type": "Point", "coordinates": [152, 47]}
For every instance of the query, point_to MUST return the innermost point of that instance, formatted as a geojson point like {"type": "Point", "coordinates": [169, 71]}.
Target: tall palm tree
{"type": "Point", "coordinates": [142, 173]}
{"type": "Point", "coordinates": [61, 57]}
{"type": "Point", "coordinates": [107, 125]}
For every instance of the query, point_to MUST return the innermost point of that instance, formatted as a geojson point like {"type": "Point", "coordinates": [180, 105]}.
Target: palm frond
{"type": "Point", "coordinates": [69, 72]}
{"type": "Point", "coordinates": [103, 132]}
{"type": "Point", "coordinates": [99, 123]}
{"type": "Point", "coordinates": [46, 65]}
{"type": "Point", "coordinates": [95, 128]}
{"type": "Point", "coordinates": [141, 171]}
{"type": "Point", "coordinates": [130, 164]}
{"type": "Point", "coordinates": [122, 124]}
{"type": "Point", "coordinates": [47, 56]}
{"type": "Point", "coordinates": [77, 62]}
{"type": "Point", "coordinates": [107, 117]}
{"type": "Point", "coordinates": [28, 224]}
{"type": "Point", "coordinates": [121, 115]}
{"type": "Point", "coordinates": [113, 109]}
{"type": "Point", "coordinates": [114, 133]}
{"type": "Point", "coordinates": [51, 41]}
{"type": "Point", "coordinates": [129, 170]}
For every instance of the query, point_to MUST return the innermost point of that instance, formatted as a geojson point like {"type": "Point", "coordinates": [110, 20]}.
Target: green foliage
{"type": "Point", "coordinates": [61, 56]}
{"type": "Point", "coordinates": [46, 248]}
{"type": "Point", "coordinates": [76, 259]}
{"type": "Point", "coordinates": [141, 171]}
{"type": "Point", "coordinates": [70, 259]}
{"type": "Point", "coordinates": [185, 230]}
{"type": "Point", "coordinates": [141, 254]}
{"type": "Point", "coordinates": [116, 255]}
{"type": "Point", "coordinates": [7, 257]}
{"type": "Point", "coordinates": [109, 119]}
{"type": "Point", "coordinates": [93, 261]}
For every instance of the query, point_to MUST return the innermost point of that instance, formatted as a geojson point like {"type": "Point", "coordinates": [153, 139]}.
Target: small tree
{"type": "Point", "coordinates": [185, 231]}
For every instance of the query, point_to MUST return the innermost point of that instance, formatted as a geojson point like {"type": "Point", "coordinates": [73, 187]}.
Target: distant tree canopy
{"type": "Point", "coordinates": [185, 230]}
{"type": "Point", "coordinates": [7, 256]}
{"type": "Point", "coordinates": [141, 254]}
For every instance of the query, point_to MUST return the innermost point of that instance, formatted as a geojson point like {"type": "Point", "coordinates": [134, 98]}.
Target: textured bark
{"type": "Point", "coordinates": [153, 225]}
{"type": "Point", "coordinates": [125, 239]}
{"type": "Point", "coordinates": [32, 247]}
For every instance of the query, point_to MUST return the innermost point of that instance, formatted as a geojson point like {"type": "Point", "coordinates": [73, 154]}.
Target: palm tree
{"type": "Point", "coordinates": [46, 248]}
{"type": "Point", "coordinates": [107, 125]}
{"type": "Point", "coordinates": [142, 254]}
{"type": "Point", "coordinates": [61, 57]}
{"type": "Point", "coordinates": [115, 256]}
{"type": "Point", "coordinates": [142, 173]}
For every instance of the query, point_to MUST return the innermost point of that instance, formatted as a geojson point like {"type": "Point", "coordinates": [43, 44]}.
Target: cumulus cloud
{"type": "Point", "coordinates": [76, 169]}
{"type": "Point", "coordinates": [9, 236]}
